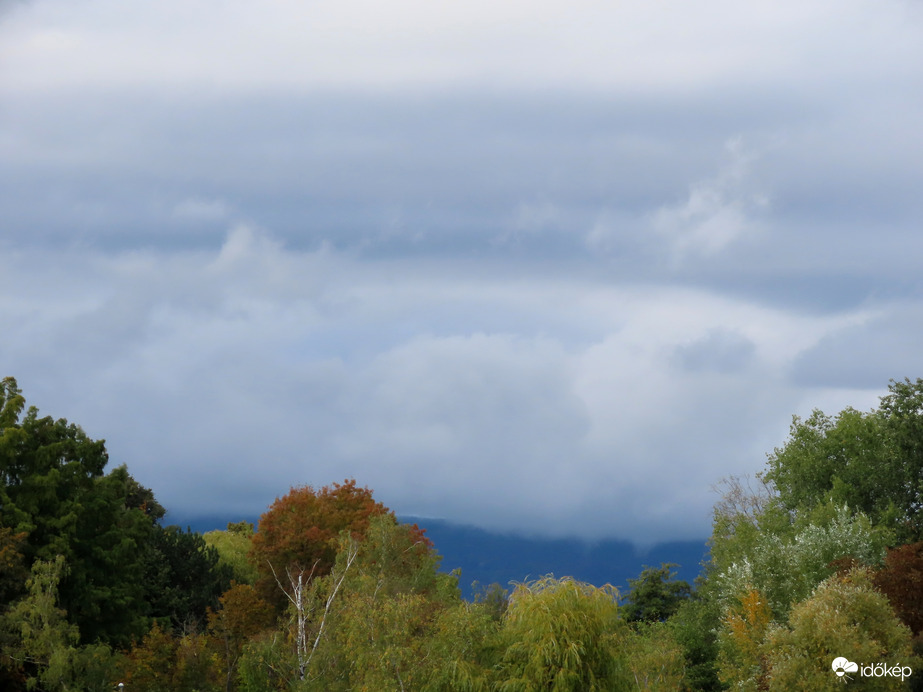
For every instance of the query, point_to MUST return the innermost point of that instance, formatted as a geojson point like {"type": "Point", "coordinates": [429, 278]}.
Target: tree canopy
{"type": "Point", "coordinates": [116, 569]}
{"type": "Point", "coordinates": [299, 532]}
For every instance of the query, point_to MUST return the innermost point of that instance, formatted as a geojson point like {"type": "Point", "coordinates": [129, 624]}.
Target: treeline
{"type": "Point", "coordinates": [816, 560]}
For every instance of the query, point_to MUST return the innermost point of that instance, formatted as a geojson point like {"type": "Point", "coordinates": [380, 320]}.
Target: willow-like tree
{"type": "Point", "coordinates": [565, 636]}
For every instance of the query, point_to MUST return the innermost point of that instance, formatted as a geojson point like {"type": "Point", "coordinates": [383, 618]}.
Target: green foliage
{"type": "Point", "coordinates": [843, 459]}
{"type": "Point", "coordinates": [47, 468]}
{"type": "Point", "coordinates": [56, 501]}
{"type": "Point", "coordinates": [96, 667]}
{"type": "Point", "coordinates": [655, 595]}
{"type": "Point", "coordinates": [383, 611]}
{"type": "Point", "coordinates": [462, 648]}
{"type": "Point", "coordinates": [185, 578]}
{"type": "Point", "coordinates": [44, 641]}
{"type": "Point", "coordinates": [655, 658]}
{"type": "Point", "coordinates": [396, 558]}
{"type": "Point", "coordinates": [43, 644]}
{"type": "Point", "coordinates": [84, 566]}
{"type": "Point", "coordinates": [746, 512]}
{"type": "Point", "coordinates": [840, 490]}
{"type": "Point", "coordinates": [494, 599]}
{"type": "Point", "coordinates": [694, 626]}
{"type": "Point", "coordinates": [786, 568]}
{"type": "Point", "coordinates": [183, 663]}
{"type": "Point", "coordinates": [562, 635]}
{"type": "Point", "coordinates": [902, 409]}
{"type": "Point", "coordinates": [233, 547]}
{"type": "Point", "coordinates": [873, 462]}
{"type": "Point", "coordinates": [845, 617]}
{"type": "Point", "coordinates": [105, 593]}
{"type": "Point", "coordinates": [267, 664]}
{"type": "Point", "coordinates": [12, 402]}
{"type": "Point", "coordinates": [385, 640]}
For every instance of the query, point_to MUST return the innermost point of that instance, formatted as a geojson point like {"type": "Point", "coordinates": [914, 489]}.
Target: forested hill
{"type": "Point", "coordinates": [489, 557]}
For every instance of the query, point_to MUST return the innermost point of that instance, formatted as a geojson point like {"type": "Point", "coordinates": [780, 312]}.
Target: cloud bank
{"type": "Point", "coordinates": [539, 268]}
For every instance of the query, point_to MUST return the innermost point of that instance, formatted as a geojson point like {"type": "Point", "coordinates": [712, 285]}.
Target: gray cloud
{"type": "Point", "coordinates": [719, 351]}
{"type": "Point", "coordinates": [887, 346]}
{"type": "Point", "coordinates": [530, 274]}
{"type": "Point", "coordinates": [533, 403]}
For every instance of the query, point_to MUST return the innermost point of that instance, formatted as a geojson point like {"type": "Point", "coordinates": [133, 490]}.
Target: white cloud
{"type": "Point", "coordinates": [358, 43]}
{"type": "Point", "coordinates": [265, 367]}
{"type": "Point", "coordinates": [197, 209]}
{"type": "Point", "coordinates": [718, 212]}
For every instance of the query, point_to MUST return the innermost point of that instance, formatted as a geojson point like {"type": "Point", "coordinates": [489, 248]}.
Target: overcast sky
{"type": "Point", "coordinates": [553, 267]}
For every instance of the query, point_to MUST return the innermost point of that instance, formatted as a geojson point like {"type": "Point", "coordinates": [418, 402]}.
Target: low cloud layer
{"type": "Point", "coordinates": [537, 268]}
{"type": "Point", "coordinates": [547, 404]}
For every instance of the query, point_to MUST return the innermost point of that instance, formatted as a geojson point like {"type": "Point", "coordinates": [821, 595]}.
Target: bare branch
{"type": "Point", "coordinates": [351, 552]}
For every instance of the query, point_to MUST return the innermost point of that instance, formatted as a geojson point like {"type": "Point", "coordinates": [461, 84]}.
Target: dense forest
{"type": "Point", "coordinates": [814, 579]}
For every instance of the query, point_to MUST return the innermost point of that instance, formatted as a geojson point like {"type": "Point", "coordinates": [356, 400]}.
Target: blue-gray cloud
{"type": "Point", "coordinates": [528, 278]}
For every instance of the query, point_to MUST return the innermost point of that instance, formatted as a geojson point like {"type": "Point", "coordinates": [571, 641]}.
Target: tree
{"type": "Point", "coordinates": [233, 545]}
{"type": "Point", "coordinates": [242, 614]}
{"type": "Point", "coordinates": [655, 595]}
{"type": "Point", "coordinates": [694, 627]}
{"type": "Point", "coordinates": [387, 629]}
{"type": "Point", "coordinates": [901, 580]}
{"type": "Point", "coordinates": [846, 458]}
{"type": "Point", "coordinates": [786, 568]}
{"type": "Point", "coordinates": [902, 409]}
{"type": "Point", "coordinates": [53, 490]}
{"type": "Point", "coordinates": [45, 643]}
{"type": "Point", "coordinates": [185, 577]}
{"type": "Point", "coordinates": [742, 659]}
{"type": "Point", "coordinates": [13, 571]}
{"type": "Point", "coordinates": [164, 661]}
{"type": "Point", "coordinates": [300, 531]}
{"type": "Point", "coordinates": [106, 591]}
{"type": "Point", "coordinates": [873, 462]}
{"type": "Point", "coordinates": [562, 635]}
{"type": "Point", "coordinates": [845, 617]}
{"type": "Point", "coordinates": [654, 658]}
{"type": "Point", "coordinates": [494, 599]}
{"type": "Point", "coordinates": [47, 468]}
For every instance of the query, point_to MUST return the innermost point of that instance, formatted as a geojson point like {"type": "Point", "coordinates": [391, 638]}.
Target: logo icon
{"type": "Point", "coordinates": [841, 666]}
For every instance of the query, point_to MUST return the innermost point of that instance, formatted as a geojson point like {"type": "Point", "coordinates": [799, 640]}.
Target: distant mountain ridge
{"type": "Point", "coordinates": [487, 557]}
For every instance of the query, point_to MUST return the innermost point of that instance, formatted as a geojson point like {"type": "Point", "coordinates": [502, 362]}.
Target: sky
{"type": "Point", "coordinates": [545, 267]}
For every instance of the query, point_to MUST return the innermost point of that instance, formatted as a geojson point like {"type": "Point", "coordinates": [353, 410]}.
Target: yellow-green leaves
{"type": "Point", "coordinates": [562, 635]}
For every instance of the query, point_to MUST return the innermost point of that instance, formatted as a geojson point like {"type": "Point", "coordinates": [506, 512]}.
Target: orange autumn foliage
{"type": "Point", "coordinates": [299, 532]}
